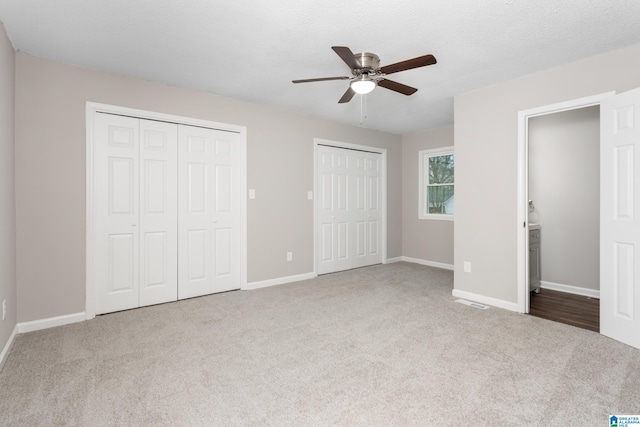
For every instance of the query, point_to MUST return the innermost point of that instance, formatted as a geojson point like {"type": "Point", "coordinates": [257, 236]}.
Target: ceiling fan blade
{"type": "Point", "coordinates": [421, 61]}
{"type": "Point", "coordinates": [347, 56]}
{"type": "Point", "coordinates": [321, 79]}
{"type": "Point", "coordinates": [347, 96]}
{"type": "Point", "coordinates": [397, 87]}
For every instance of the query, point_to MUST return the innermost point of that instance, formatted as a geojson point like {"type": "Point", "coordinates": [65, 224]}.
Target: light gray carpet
{"type": "Point", "coordinates": [384, 346]}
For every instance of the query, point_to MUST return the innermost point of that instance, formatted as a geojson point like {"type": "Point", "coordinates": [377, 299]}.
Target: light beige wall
{"type": "Point", "coordinates": [564, 184]}
{"type": "Point", "coordinates": [7, 189]}
{"type": "Point", "coordinates": [50, 176]}
{"type": "Point", "coordinates": [428, 240]}
{"type": "Point", "coordinates": [486, 127]}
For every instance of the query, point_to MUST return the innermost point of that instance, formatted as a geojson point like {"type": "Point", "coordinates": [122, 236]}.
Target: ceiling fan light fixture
{"type": "Point", "coordinates": [363, 85]}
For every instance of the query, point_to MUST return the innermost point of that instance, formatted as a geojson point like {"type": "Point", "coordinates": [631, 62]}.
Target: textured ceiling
{"type": "Point", "coordinates": [251, 50]}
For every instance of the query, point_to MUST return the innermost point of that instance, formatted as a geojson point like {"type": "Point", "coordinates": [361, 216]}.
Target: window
{"type": "Point", "coordinates": [437, 183]}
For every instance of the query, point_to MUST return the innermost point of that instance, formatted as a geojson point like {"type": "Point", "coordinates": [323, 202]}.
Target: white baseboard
{"type": "Point", "coordinates": [427, 263]}
{"type": "Point", "coordinates": [392, 260]}
{"type": "Point", "coordinates": [7, 347]}
{"type": "Point", "coordinates": [511, 306]}
{"type": "Point", "coordinates": [593, 293]}
{"type": "Point", "coordinates": [280, 281]}
{"type": "Point", "coordinates": [36, 325]}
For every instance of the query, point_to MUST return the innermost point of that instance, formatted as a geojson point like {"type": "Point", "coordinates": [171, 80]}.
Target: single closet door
{"type": "Point", "coordinates": [348, 209]}
{"type": "Point", "coordinates": [209, 211]}
{"type": "Point", "coordinates": [366, 172]}
{"type": "Point", "coordinates": [135, 208]}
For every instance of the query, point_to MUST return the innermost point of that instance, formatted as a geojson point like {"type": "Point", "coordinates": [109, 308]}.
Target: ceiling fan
{"type": "Point", "coordinates": [367, 73]}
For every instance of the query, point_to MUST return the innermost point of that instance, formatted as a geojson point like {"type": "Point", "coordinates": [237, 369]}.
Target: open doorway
{"type": "Point", "coordinates": [564, 216]}
{"type": "Point", "coordinates": [619, 260]}
{"type": "Point", "coordinates": [524, 118]}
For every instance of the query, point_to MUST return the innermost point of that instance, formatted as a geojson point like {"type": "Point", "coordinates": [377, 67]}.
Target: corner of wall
{"type": "Point", "coordinates": [8, 284]}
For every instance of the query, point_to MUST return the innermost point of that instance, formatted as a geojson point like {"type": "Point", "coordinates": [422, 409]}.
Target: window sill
{"type": "Point", "coordinates": [437, 217]}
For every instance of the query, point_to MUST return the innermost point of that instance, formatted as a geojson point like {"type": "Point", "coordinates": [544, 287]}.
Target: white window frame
{"type": "Point", "coordinates": [422, 155]}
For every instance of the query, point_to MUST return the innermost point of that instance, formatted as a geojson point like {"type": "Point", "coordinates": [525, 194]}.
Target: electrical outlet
{"type": "Point", "coordinates": [4, 309]}
{"type": "Point", "coordinates": [289, 256]}
{"type": "Point", "coordinates": [252, 194]}
{"type": "Point", "coordinates": [309, 195]}
{"type": "Point", "coordinates": [467, 267]}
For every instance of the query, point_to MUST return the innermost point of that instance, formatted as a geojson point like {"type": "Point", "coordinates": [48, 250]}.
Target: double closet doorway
{"type": "Point", "coordinates": [351, 207]}
{"type": "Point", "coordinates": [165, 216]}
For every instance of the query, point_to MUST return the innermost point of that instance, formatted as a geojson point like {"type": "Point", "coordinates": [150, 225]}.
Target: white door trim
{"type": "Point", "coordinates": [94, 107]}
{"type": "Point", "coordinates": [523, 184]}
{"type": "Point", "coordinates": [383, 202]}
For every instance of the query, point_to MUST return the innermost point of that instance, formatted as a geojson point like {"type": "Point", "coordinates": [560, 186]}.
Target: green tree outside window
{"type": "Point", "coordinates": [440, 188]}
{"type": "Point", "coordinates": [437, 183]}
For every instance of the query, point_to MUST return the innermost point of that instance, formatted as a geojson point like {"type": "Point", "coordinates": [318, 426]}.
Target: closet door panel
{"type": "Point", "coordinates": [197, 189]}
{"type": "Point", "coordinates": [224, 253]}
{"type": "Point", "coordinates": [225, 220]}
{"type": "Point", "coordinates": [348, 209]}
{"type": "Point", "coordinates": [373, 194]}
{"type": "Point", "coordinates": [333, 181]}
{"type": "Point", "coordinates": [325, 226]}
{"type": "Point", "coordinates": [158, 212]}
{"type": "Point", "coordinates": [223, 190]}
{"type": "Point", "coordinates": [361, 241]}
{"type": "Point", "coordinates": [326, 248]}
{"type": "Point", "coordinates": [342, 236]}
{"type": "Point", "coordinates": [195, 205]}
{"type": "Point", "coordinates": [121, 263]}
{"type": "Point", "coordinates": [209, 211]}
{"type": "Point", "coordinates": [156, 247]}
{"type": "Point", "coordinates": [116, 211]}
{"type": "Point", "coordinates": [197, 253]}
{"type": "Point", "coordinates": [358, 209]}
{"type": "Point", "coordinates": [327, 245]}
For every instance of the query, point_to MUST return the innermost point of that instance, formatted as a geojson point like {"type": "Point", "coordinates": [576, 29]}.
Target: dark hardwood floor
{"type": "Point", "coordinates": [576, 310]}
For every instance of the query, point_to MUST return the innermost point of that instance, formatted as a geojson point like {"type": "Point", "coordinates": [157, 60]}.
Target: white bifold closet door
{"type": "Point", "coordinates": [348, 209]}
{"type": "Point", "coordinates": [167, 212]}
{"type": "Point", "coordinates": [209, 256]}
{"type": "Point", "coordinates": [136, 212]}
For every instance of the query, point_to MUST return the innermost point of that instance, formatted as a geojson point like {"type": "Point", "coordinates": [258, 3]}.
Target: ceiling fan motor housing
{"type": "Point", "coordinates": [369, 61]}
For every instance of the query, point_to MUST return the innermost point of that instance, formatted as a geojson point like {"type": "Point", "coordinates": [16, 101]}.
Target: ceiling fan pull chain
{"type": "Point", "coordinates": [363, 108]}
